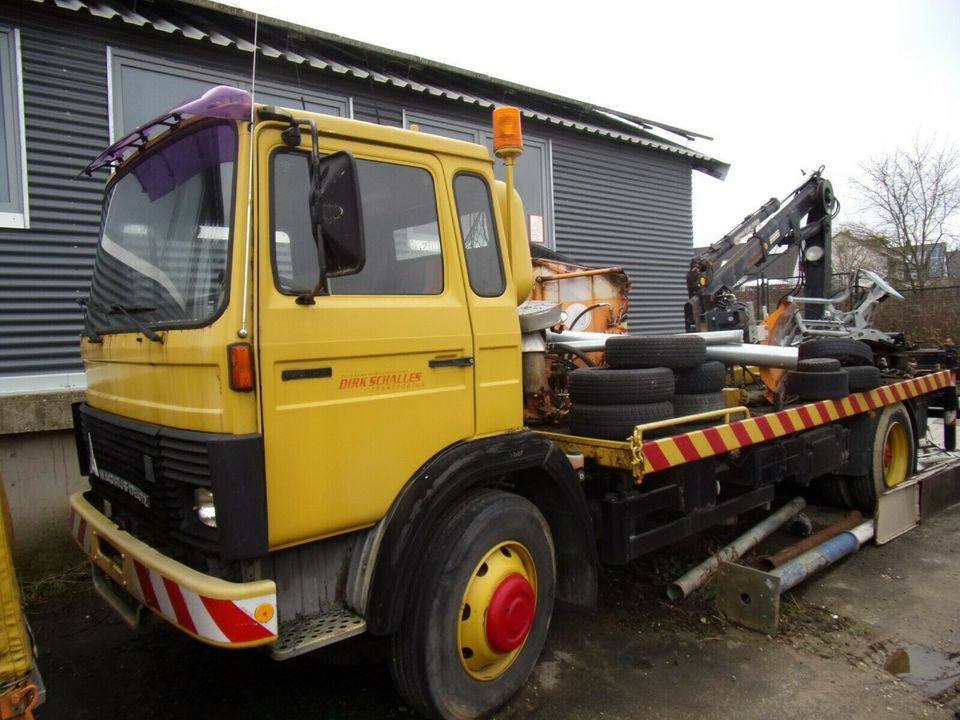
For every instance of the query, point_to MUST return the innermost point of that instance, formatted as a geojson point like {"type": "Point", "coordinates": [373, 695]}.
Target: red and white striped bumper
{"type": "Point", "coordinates": [215, 611]}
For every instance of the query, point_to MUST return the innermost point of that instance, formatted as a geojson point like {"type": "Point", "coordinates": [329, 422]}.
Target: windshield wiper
{"type": "Point", "coordinates": [139, 324]}
{"type": "Point", "coordinates": [88, 329]}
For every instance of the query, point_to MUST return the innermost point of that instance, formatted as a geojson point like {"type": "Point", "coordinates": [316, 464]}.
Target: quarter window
{"type": "Point", "coordinates": [479, 236]}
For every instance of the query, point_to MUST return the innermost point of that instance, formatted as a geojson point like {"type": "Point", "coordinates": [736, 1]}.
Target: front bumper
{"type": "Point", "coordinates": [218, 612]}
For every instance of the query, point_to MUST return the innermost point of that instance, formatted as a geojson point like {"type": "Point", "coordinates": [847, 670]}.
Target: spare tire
{"type": "Point", "coordinates": [647, 351]}
{"type": "Point", "coordinates": [707, 378]}
{"type": "Point", "coordinates": [604, 386]}
{"type": "Point", "coordinates": [697, 403]}
{"type": "Point", "coordinates": [817, 385]}
{"type": "Point", "coordinates": [863, 377]}
{"type": "Point", "coordinates": [819, 365]}
{"type": "Point", "coordinates": [846, 350]}
{"type": "Point", "coordinates": [615, 422]}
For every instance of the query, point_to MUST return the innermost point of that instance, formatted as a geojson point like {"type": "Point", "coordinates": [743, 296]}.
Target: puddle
{"type": "Point", "coordinates": [934, 671]}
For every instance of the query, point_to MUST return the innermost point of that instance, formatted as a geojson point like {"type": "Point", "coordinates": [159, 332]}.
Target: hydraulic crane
{"type": "Point", "coordinates": [802, 223]}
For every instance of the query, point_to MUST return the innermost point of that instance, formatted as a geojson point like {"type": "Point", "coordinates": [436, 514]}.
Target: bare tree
{"type": "Point", "coordinates": [912, 200]}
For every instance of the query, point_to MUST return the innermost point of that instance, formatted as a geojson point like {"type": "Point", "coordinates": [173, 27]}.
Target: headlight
{"type": "Point", "coordinates": [203, 504]}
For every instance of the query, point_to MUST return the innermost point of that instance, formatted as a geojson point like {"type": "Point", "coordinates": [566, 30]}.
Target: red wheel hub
{"type": "Point", "coordinates": [510, 613]}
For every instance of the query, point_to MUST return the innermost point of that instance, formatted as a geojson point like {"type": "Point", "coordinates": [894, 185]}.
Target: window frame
{"type": "Point", "coordinates": [16, 213]}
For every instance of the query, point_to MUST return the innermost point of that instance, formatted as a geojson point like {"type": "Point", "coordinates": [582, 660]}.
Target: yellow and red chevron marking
{"type": "Point", "coordinates": [679, 449]}
{"type": "Point", "coordinates": [216, 611]}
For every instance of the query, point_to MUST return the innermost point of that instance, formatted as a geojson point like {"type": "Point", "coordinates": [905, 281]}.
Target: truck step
{"type": "Point", "coordinates": [315, 631]}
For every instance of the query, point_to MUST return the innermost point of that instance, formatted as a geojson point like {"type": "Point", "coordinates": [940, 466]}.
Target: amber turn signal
{"type": "Point", "coordinates": [240, 363]}
{"type": "Point", "coordinates": [507, 137]}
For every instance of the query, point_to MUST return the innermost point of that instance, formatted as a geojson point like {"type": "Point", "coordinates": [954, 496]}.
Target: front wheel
{"type": "Point", "coordinates": [479, 608]}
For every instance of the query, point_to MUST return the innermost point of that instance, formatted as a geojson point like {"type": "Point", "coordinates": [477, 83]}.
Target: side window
{"type": "Point", "coordinates": [479, 235]}
{"type": "Point", "coordinates": [13, 186]}
{"type": "Point", "coordinates": [399, 221]}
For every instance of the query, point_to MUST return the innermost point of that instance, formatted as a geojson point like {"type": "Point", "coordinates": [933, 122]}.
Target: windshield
{"type": "Point", "coordinates": [165, 238]}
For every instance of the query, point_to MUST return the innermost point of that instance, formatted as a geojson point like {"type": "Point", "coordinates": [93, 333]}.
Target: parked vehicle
{"type": "Point", "coordinates": [305, 408]}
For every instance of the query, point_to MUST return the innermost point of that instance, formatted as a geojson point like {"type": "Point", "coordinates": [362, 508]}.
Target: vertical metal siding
{"type": "Point", "coordinates": [45, 269]}
{"type": "Point", "coordinates": [614, 204]}
{"type": "Point", "coordinates": [619, 205]}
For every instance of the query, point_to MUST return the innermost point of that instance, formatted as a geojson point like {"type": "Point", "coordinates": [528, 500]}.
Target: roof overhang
{"type": "Point", "coordinates": [324, 52]}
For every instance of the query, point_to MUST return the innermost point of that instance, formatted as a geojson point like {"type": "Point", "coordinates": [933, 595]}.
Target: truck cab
{"type": "Point", "coordinates": [304, 364]}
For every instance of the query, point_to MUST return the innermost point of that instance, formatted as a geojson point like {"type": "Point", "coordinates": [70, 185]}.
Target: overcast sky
{"type": "Point", "coordinates": [781, 86]}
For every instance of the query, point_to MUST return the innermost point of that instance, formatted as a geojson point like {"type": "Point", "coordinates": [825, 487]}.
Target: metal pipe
{"type": "Point", "coordinates": [720, 337]}
{"type": "Point", "coordinates": [748, 354]}
{"type": "Point", "coordinates": [847, 522]}
{"type": "Point", "coordinates": [846, 543]}
{"type": "Point", "coordinates": [689, 582]}
{"type": "Point", "coordinates": [579, 273]}
{"type": "Point", "coordinates": [573, 337]}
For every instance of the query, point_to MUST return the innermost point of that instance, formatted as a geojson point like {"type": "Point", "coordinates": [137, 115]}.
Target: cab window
{"type": "Point", "coordinates": [479, 235]}
{"type": "Point", "coordinates": [400, 226]}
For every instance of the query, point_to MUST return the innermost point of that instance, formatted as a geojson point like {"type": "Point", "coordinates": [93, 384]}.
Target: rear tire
{"type": "Point", "coordinates": [479, 609]}
{"type": "Point", "coordinates": [893, 456]}
{"type": "Point", "coordinates": [835, 490]}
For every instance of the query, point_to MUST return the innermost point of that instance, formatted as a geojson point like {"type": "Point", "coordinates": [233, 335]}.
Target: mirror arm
{"type": "Point", "coordinates": [321, 287]}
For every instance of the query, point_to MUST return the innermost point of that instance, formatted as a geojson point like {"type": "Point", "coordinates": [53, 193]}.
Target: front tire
{"type": "Point", "coordinates": [479, 609]}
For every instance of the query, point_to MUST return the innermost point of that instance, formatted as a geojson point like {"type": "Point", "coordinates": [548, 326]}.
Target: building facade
{"type": "Point", "coordinates": [599, 186]}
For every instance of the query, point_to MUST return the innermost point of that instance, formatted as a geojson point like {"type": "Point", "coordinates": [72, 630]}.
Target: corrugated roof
{"type": "Point", "coordinates": [202, 20]}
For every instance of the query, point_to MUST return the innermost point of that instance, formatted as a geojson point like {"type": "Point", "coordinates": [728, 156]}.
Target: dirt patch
{"type": "Point", "coordinates": [638, 656]}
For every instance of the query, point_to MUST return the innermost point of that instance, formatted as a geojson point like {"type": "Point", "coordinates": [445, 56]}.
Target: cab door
{"type": "Point", "coordinates": [492, 300]}
{"type": "Point", "coordinates": [361, 387]}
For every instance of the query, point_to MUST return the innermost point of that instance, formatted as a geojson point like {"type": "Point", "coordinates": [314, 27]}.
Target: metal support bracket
{"type": "Point", "coordinates": [749, 597]}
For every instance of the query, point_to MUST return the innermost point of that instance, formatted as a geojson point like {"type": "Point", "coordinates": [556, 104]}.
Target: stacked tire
{"type": "Point", "coordinates": [609, 402]}
{"type": "Point", "coordinates": [699, 389]}
{"type": "Point", "coordinates": [832, 368]}
{"type": "Point", "coordinates": [636, 388]}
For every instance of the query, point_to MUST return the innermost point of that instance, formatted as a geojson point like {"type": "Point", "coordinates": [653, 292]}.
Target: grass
{"type": "Point", "coordinates": [38, 590]}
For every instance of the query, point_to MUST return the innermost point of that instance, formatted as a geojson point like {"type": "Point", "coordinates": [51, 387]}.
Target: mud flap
{"type": "Point", "coordinates": [898, 511]}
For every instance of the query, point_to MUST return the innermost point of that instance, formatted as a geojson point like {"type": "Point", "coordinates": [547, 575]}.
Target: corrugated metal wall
{"type": "Point", "coordinates": [44, 270]}
{"type": "Point", "coordinates": [632, 208]}
{"type": "Point", "coordinates": [615, 204]}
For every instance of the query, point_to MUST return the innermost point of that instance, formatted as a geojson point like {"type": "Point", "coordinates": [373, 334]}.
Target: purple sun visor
{"type": "Point", "coordinates": [225, 102]}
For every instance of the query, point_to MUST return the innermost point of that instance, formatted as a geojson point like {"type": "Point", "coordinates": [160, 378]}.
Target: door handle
{"type": "Point", "coordinates": [451, 362]}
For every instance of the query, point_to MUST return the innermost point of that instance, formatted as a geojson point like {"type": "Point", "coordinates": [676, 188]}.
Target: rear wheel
{"type": "Point", "coordinates": [479, 609]}
{"type": "Point", "coordinates": [892, 457]}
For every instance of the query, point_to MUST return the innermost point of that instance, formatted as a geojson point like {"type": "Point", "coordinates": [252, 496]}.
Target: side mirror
{"type": "Point", "coordinates": [336, 214]}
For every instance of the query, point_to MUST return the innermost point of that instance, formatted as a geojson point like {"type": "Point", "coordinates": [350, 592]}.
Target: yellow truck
{"type": "Point", "coordinates": [304, 416]}
{"type": "Point", "coordinates": [21, 687]}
